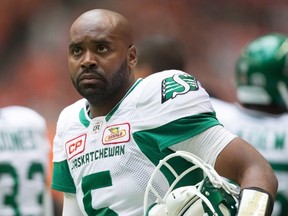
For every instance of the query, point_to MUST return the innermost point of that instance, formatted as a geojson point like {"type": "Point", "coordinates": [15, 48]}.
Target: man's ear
{"type": "Point", "coordinates": [132, 56]}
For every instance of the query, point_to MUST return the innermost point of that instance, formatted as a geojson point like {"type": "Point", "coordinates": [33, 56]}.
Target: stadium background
{"type": "Point", "coordinates": [33, 42]}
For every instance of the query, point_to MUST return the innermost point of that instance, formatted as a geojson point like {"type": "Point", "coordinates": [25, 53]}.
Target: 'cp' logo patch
{"type": "Point", "coordinates": [75, 146]}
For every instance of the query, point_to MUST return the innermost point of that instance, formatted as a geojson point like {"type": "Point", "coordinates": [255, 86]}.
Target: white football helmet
{"type": "Point", "coordinates": [213, 195]}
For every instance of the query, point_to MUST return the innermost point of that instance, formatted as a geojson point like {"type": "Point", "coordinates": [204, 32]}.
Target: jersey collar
{"type": "Point", "coordinates": [85, 118]}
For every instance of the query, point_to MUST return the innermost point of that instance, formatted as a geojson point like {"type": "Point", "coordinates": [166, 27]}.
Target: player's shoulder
{"type": "Point", "coordinates": [169, 89]}
{"type": "Point", "coordinates": [172, 80]}
{"type": "Point", "coordinates": [21, 114]}
{"type": "Point", "coordinates": [16, 109]}
{"type": "Point", "coordinates": [167, 74]}
{"type": "Point", "coordinates": [285, 116]}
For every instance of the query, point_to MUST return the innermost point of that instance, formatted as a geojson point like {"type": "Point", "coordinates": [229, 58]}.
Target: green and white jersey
{"type": "Point", "coordinates": [268, 134]}
{"type": "Point", "coordinates": [24, 151]}
{"type": "Point", "coordinates": [107, 161]}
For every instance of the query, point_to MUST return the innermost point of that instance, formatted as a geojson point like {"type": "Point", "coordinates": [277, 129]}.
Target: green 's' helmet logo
{"type": "Point", "coordinates": [179, 84]}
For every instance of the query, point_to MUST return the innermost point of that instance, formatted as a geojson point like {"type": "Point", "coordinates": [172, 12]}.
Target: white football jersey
{"type": "Point", "coordinates": [108, 160]}
{"type": "Point", "coordinates": [268, 134]}
{"type": "Point", "coordinates": [24, 151]}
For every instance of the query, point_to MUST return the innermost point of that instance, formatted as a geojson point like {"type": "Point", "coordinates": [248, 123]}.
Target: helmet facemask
{"type": "Point", "coordinates": [213, 195]}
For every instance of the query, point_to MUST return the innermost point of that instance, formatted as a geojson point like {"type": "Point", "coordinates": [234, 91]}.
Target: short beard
{"type": "Point", "coordinates": [97, 94]}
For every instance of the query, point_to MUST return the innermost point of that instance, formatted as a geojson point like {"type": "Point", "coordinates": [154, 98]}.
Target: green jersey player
{"type": "Point", "coordinates": [261, 119]}
{"type": "Point", "coordinates": [24, 151]}
{"type": "Point", "coordinates": [108, 143]}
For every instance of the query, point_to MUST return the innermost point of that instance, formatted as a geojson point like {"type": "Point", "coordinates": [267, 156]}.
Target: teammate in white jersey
{"type": "Point", "coordinates": [24, 152]}
{"type": "Point", "coordinates": [261, 117]}
{"type": "Point", "coordinates": [108, 143]}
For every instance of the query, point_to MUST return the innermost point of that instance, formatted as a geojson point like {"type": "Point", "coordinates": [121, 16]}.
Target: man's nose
{"type": "Point", "coordinates": [89, 60]}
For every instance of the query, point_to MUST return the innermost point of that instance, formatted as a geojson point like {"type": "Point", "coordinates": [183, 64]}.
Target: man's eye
{"type": "Point", "coordinates": [76, 51]}
{"type": "Point", "coordinates": [102, 49]}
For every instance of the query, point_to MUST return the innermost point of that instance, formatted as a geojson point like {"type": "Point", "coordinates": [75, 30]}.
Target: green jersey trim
{"type": "Point", "coordinates": [154, 143]}
{"type": "Point", "coordinates": [59, 179]}
{"type": "Point", "coordinates": [110, 114]}
{"type": "Point", "coordinates": [83, 119]}
{"type": "Point", "coordinates": [174, 132]}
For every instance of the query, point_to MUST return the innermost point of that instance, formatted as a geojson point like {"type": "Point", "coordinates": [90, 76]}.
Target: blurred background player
{"type": "Point", "coordinates": [24, 155]}
{"type": "Point", "coordinates": [158, 53]}
{"type": "Point", "coordinates": [261, 117]}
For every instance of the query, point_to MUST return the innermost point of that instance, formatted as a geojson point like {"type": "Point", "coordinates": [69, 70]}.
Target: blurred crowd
{"type": "Point", "coordinates": [33, 42]}
{"type": "Point", "coordinates": [33, 46]}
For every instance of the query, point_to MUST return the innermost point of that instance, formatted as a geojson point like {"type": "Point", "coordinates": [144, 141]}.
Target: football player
{"type": "Point", "coordinates": [261, 115]}
{"type": "Point", "coordinates": [108, 143]}
{"type": "Point", "coordinates": [24, 154]}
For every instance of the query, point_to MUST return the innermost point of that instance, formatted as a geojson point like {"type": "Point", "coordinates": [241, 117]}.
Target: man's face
{"type": "Point", "coordinates": [97, 61]}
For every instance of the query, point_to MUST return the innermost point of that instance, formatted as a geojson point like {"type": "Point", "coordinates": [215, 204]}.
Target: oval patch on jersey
{"type": "Point", "coordinates": [115, 134]}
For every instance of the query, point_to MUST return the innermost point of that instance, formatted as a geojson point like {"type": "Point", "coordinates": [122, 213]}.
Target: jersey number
{"type": "Point", "coordinates": [94, 182]}
{"type": "Point", "coordinates": [10, 199]}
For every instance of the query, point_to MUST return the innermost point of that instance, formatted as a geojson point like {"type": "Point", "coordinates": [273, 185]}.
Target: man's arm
{"type": "Point", "coordinates": [242, 163]}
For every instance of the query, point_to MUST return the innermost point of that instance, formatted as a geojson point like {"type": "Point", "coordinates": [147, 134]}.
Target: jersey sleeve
{"type": "Point", "coordinates": [173, 107]}
{"type": "Point", "coordinates": [61, 177]}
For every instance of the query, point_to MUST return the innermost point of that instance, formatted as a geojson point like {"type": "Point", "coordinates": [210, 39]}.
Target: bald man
{"type": "Point", "coordinates": [108, 143]}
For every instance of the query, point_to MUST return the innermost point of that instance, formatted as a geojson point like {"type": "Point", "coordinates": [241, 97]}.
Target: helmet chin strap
{"type": "Point", "coordinates": [283, 92]}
